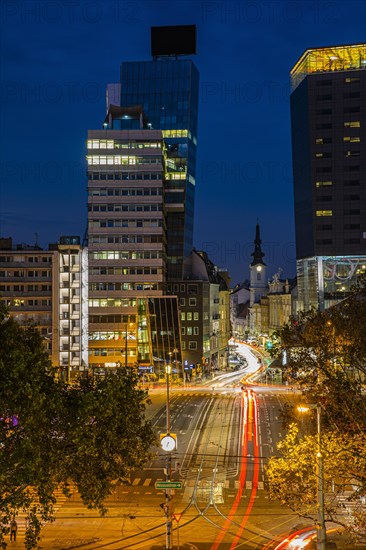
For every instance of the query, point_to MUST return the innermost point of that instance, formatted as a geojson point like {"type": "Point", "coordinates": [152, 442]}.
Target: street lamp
{"type": "Point", "coordinates": [168, 495]}
{"type": "Point", "coordinates": [321, 535]}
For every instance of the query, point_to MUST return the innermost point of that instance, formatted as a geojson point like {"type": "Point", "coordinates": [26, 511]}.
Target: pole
{"type": "Point", "coordinates": [320, 528]}
{"type": "Point", "coordinates": [126, 350]}
{"type": "Point", "coordinates": [168, 495]}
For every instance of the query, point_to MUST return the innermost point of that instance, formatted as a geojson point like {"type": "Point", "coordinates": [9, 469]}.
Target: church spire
{"type": "Point", "coordinates": [257, 254]}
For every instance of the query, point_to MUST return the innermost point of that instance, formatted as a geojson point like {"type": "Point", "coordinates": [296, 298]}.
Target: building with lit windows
{"type": "Point", "coordinates": [167, 89]}
{"type": "Point", "coordinates": [126, 234]}
{"type": "Point", "coordinates": [328, 119]}
{"type": "Point", "coordinates": [48, 288]}
{"type": "Point", "coordinates": [204, 303]}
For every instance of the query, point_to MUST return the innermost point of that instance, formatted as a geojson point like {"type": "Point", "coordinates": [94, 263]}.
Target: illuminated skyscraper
{"type": "Point", "coordinates": [328, 118]}
{"type": "Point", "coordinates": [167, 90]}
{"type": "Point", "coordinates": [130, 321]}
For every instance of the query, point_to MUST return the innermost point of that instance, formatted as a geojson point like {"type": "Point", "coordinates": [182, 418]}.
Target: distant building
{"type": "Point", "coordinates": [204, 301]}
{"type": "Point", "coordinates": [239, 310]}
{"type": "Point", "coordinates": [328, 120]}
{"type": "Point", "coordinates": [48, 288]}
{"type": "Point", "coordinates": [259, 307]}
{"type": "Point", "coordinates": [273, 309]}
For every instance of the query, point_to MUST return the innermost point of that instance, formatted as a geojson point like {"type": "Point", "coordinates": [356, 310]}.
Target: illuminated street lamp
{"type": "Point", "coordinates": [321, 536]}
{"type": "Point", "coordinates": [168, 446]}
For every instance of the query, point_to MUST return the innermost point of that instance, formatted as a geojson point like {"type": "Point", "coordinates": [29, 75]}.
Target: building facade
{"type": "Point", "coordinates": [204, 301]}
{"type": "Point", "coordinates": [48, 288]}
{"type": "Point", "coordinates": [328, 119]}
{"type": "Point", "coordinates": [167, 90]}
{"type": "Point", "coordinates": [126, 235]}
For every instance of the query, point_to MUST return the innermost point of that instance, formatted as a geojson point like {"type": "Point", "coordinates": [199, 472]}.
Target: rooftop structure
{"type": "Point", "coordinates": [328, 59]}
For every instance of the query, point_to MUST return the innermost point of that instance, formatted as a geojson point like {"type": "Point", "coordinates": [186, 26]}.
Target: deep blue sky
{"type": "Point", "coordinates": [58, 56]}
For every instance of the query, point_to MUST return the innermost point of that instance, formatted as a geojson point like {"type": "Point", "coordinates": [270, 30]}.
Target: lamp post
{"type": "Point", "coordinates": [321, 534]}
{"type": "Point", "coordinates": [168, 495]}
{"type": "Point", "coordinates": [126, 348]}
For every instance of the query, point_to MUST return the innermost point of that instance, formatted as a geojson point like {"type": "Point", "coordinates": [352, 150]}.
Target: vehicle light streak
{"type": "Point", "coordinates": [252, 430]}
{"type": "Point", "coordinates": [298, 540]}
{"type": "Point", "coordinates": [242, 478]}
{"type": "Point", "coordinates": [250, 433]}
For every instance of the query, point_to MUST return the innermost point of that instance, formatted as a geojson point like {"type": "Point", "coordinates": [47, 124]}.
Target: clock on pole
{"type": "Point", "coordinates": [168, 442]}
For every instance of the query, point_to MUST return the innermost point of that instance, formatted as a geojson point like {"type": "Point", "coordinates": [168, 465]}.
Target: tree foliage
{"type": "Point", "coordinates": [292, 476]}
{"type": "Point", "coordinates": [326, 357]}
{"type": "Point", "coordinates": [52, 435]}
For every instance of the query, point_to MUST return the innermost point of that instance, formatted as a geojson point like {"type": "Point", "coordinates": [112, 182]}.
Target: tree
{"type": "Point", "coordinates": [326, 357]}
{"type": "Point", "coordinates": [51, 435]}
{"type": "Point", "coordinates": [292, 477]}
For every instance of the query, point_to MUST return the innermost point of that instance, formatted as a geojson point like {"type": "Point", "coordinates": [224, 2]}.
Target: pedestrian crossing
{"type": "Point", "coordinates": [229, 483]}
{"type": "Point", "coordinates": [60, 500]}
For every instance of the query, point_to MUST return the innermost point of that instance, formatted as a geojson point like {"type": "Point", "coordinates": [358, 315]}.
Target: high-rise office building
{"type": "Point", "coordinates": [167, 90]}
{"type": "Point", "coordinates": [328, 119]}
{"type": "Point", "coordinates": [126, 233]}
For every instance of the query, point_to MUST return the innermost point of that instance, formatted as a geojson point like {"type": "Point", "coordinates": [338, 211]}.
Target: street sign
{"type": "Point", "coordinates": [177, 517]}
{"type": "Point", "coordinates": [168, 485]}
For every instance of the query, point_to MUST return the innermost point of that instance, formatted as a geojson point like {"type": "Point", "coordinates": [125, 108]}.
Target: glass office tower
{"type": "Point", "coordinates": [328, 119]}
{"type": "Point", "coordinates": [167, 90]}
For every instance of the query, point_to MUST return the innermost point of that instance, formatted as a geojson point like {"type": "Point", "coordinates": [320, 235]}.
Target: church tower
{"type": "Point", "coordinates": [258, 271]}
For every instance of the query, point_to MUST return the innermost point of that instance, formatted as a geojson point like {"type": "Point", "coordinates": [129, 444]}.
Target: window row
{"type": "Point", "coordinates": [329, 155]}
{"type": "Point", "coordinates": [119, 144]}
{"type": "Point", "coordinates": [327, 198]}
{"type": "Point", "coordinates": [125, 239]}
{"type": "Point", "coordinates": [191, 301]}
{"type": "Point", "coordinates": [142, 192]}
{"type": "Point", "coordinates": [20, 302]}
{"type": "Point", "coordinates": [112, 319]}
{"type": "Point", "coordinates": [112, 302]}
{"type": "Point", "coordinates": [347, 80]}
{"type": "Point", "coordinates": [176, 133]}
{"type": "Point", "coordinates": [125, 271]}
{"type": "Point", "coordinates": [189, 331]}
{"type": "Point", "coordinates": [329, 140]}
{"type": "Point", "coordinates": [346, 110]}
{"type": "Point", "coordinates": [111, 335]}
{"type": "Point", "coordinates": [346, 95]}
{"type": "Point", "coordinates": [115, 286]}
{"type": "Point", "coordinates": [123, 286]}
{"type": "Point", "coordinates": [119, 160]}
{"type": "Point", "coordinates": [22, 258]}
{"type": "Point", "coordinates": [329, 227]}
{"type": "Point", "coordinates": [125, 223]}
{"type": "Point", "coordinates": [329, 125]}
{"type": "Point", "coordinates": [124, 255]}
{"type": "Point", "coordinates": [125, 208]}
{"type": "Point", "coordinates": [192, 345]}
{"type": "Point", "coordinates": [328, 169]}
{"type": "Point", "coordinates": [345, 241]}
{"type": "Point", "coordinates": [25, 273]}
{"type": "Point", "coordinates": [25, 288]}
{"type": "Point", "coordinates": [189, 316]}
{"type": "Point", "coordinates": [125, 176]}
{"type": "Point", "coordinates": [104, 352]}
{"type": "Point", "coordinates": [346, 212]}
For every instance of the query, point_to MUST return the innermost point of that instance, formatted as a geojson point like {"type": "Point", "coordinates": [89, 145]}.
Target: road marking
{"type": "Point", "coordinates": [136, 481]}
{"type": "Point", "coordinates": [146, 482]}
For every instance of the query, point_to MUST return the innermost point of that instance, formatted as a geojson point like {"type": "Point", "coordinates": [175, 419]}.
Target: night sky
{"type": "Point", "coordinates": [58, 56]}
